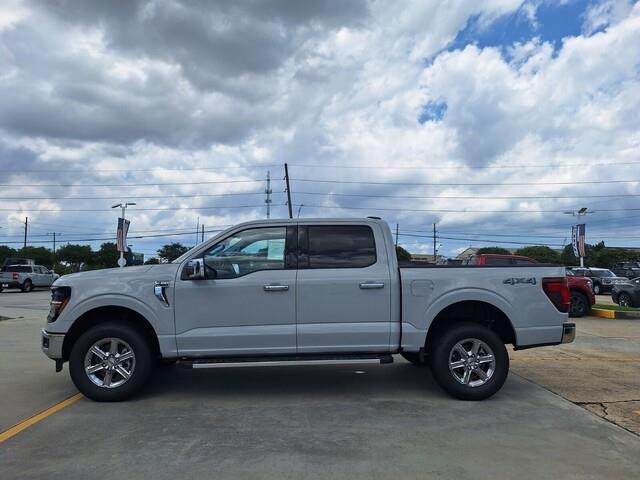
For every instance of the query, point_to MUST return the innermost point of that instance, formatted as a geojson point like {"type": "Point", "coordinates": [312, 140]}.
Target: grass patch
{"type": "Point", "coordinates": [617, 308]}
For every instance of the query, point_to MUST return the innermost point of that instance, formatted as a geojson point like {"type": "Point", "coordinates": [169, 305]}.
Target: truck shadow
{"type": "Point", "coordinates": [280, 381]}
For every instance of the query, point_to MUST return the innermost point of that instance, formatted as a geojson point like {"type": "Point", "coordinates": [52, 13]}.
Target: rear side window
{"type": "Point", "coordinates": [523, 261]}
{"type": "Point", "coordinates": [497, 261]}
{"type": "Point", "coordinates": [17, 268]}
{"type": "Point", "coordinates": [338, 246]}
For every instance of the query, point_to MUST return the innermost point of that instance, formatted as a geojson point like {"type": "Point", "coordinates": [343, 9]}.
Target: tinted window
{"type": "Point", "coordinates": [17, 268]}
{"type": "Point", "coordinates": [523, 261]}
{"type": "Point", "coordinates": [339, 246]}
{"type": "Point", "coordinates": [602, 273]}
{"type": "Point", "coordinates": [247, 251]}
{"type": "Point", "coordinates": [497, 261]}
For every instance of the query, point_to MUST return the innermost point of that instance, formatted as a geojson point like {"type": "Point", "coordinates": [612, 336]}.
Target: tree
{"type": "Point", "coordinates": [76, 256]}
{"type": "Point", "coordinates": [567, 258]}
{"type": "Point", "coordinates": [106, 257]}
{"type": "Point", "coordinates": [6, 252]}
{"type": "Point", "coordinates": [540, 253]}
{"type": "Point", "coordinates": [494, 250]}
{"type": "Point", "coordinates": [40, 255]}
{"type": "Point", "coordinates": [171, 251]}
{"type": "Point", "coordinates": [402, 254]}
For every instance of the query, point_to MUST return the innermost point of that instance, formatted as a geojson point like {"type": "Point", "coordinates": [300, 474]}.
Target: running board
{"type": "Point", "coordinates": [234, 362]}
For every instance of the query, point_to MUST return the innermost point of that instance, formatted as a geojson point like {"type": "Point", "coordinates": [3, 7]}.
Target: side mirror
{"type": "Point", "coordinates": [193, 270]}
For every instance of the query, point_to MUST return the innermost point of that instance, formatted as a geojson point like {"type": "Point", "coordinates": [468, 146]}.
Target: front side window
{"type": "Point", "coordinates": [246, 252]}
{"type": "Point", "coordinates": [339, 246]}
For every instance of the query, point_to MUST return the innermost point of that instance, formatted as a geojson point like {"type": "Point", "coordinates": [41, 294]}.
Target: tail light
{"type": "Point", "coordinates": [15, 276]}
{"type": "Point", "coordinates": [557, 289]}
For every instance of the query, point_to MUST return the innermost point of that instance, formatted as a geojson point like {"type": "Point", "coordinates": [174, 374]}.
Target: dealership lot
{"type": "Point", "coordinates": [330, 421]}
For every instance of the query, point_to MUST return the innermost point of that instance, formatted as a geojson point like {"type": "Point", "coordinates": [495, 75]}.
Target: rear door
{"type": "Point", "coordinates": [343, 289]}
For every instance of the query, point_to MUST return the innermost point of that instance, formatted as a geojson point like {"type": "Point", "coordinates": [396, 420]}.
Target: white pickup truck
{"type": "Point", "coordinates": [302, 292]}
{"type": "Point", "coordinates": [26, 277]}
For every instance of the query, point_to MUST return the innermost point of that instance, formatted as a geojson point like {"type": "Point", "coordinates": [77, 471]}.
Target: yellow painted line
{"type": "Point", "coordinates": [600, 312]}
{"type": "Point", "coordinates": [16, 429]}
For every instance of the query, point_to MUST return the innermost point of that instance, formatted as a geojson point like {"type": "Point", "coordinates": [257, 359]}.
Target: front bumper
{"type": "Point", "coordinates": [52, 344]}
{"type": "Point", "coordinates": [568, 332]}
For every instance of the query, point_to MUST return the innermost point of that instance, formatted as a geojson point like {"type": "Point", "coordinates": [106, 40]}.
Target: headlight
{"type": "Point", "coordinates": [59, 299]}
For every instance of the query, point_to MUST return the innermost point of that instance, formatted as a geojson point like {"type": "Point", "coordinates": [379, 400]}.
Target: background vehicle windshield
{"type": "Point", "coordinates": [602, 273]}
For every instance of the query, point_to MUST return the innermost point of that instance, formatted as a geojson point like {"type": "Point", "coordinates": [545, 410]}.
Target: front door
{"type": "Point", "coordinates": [344, 291]}
{"type": "Point", "coordinates": [246, 305]}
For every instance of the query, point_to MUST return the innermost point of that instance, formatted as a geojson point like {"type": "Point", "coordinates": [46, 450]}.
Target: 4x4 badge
{"type": "Point", "coordinates": [516, 281]}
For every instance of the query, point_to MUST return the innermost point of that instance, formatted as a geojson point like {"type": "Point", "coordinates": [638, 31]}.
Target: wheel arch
{"type": "Point", "coordinates": [108, 313]}
{"type": "Point", "coordinates": [475, 311]}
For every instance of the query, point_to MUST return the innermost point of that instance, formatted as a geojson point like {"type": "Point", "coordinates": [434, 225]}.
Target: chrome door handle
{"type": "Point", "coordinates": [371, 285]}
{"type": "Point", "coordinates": [276, 288]}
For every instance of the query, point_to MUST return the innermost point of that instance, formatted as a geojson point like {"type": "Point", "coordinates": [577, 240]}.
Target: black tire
{"type": "Point", "coordinates": [27, 286]}
{"type": "Point", "coordinates": [624, 300]}
{"type": "Point", "coordinates": [141, 370]}
{"type": "Point", "coordinates": [413, 358]}
{"type": "Point", "coordinates": [597, 289]}
{"type": "Point", "coordinates": [443, 347]}
{"type": "Point", "coordinates": [579, 305]}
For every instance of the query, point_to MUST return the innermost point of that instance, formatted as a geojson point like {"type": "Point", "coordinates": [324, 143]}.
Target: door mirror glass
{"type": "Point", "coordinates": [194, 270]}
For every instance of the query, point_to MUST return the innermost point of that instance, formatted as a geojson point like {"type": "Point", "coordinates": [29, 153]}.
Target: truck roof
{"type": "Point", "coordinates": [280, 221]}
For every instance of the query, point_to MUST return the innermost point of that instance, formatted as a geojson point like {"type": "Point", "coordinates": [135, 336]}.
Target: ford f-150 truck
{"type": "Point", "coordinates": [302, 291]}
{"type": "Point", "coordinates": [26, 277]}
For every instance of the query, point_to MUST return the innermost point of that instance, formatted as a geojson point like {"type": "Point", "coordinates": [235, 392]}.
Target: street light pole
{"type": "Point", "coordinates": [123, 206]}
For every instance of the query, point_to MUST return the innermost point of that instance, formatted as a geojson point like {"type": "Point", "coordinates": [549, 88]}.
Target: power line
{"type": "Point", "coordinates": [137, 209]}
{"type": "Point", "coordinates": [458, 167]}
{"type": "Point", "coordinates": [440, 197]}
{"type": "Point", "coordinates": [461, 211]}
{"type": "Point", "coordinates": [156, 169]}
{"type": "Point", "coordinates": [126, 184]}
{"type": "Point", "coordinates": [443, 184]}
{"type": "Point", "coordinates": [137, 197]}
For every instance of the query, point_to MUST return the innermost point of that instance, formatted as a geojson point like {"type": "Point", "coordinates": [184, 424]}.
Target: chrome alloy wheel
{"type": "Point", "coordinates": [472, 362]}
{"type": "Point", "coordinates": [110, 362]}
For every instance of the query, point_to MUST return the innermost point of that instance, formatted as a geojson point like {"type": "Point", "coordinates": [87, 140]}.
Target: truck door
{"type": "Point", "coordinates": [343, 289]}
{"type": "Point", "coordinates": [246, 305]}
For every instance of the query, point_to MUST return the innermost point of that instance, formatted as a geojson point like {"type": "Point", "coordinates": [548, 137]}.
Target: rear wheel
{"type": "Point", "coordinates": [579, 305]}
{"type": "Point", "coordinates": [624, 300]}
{"type": "Point", "coordinates": [469, 361]}
{"type": "Point", "coordinates": [27, 286]}
{"type": "Point", "coordinates": [110, 362]}
{"type": "Point", "coordinates": [414, 358]}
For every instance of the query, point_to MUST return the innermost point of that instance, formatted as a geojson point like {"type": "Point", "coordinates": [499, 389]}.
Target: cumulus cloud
{"type": "Point", "coordinates": [108, 92]}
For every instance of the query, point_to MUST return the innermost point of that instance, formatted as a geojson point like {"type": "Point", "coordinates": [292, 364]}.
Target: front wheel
{"type": "Point", "coordinates": [469, 361]}
{"type": "Point", "coordinates": [597, 288]}
{"type": "Point", "coordinates": [110, 362]}
{"type": "Point", "coordinates": [624, 300]}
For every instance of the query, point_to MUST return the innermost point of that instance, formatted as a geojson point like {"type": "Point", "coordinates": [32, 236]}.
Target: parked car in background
{"type": "Point", "coordinates": [627, 269]}
{"type": "Point", "coordinates": [18, 261]}
{"type": "Point", "coordinates": [26, 277]}
{"type": "Point", "coordinates": [603, 279]}
{"type": "Point", "coordinates": [627, 294]}
{"type": "Point", "coordinates": [498, 259]}
{"type": "Point", "coordinates": [582, 297]}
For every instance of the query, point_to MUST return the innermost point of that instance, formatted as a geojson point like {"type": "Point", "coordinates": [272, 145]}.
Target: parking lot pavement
{"type": "Point", "coordinates": [604, 299]}
{"type": "Point", "coordinates": [600, 370]}
{"type": "Point", "coordinates": [312, 422]}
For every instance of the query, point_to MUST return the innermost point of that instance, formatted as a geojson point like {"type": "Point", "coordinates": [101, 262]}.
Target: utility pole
{"type": "Point", "coordinates": [203, 232]}
{"type": "Point", "coordinates": [268, 191]}
{"type": "Point", "coordinates": [434, 244]}
{"type": "Point", "coordinates": [26, 226]}
{"type": "Point", "coordinates": [197, 228]}
{"type": "Point", "coordinates": [397, 227]}
{"type": "Point", "coordinates": [54, 239]}
{"type": "Point", "coordinates": [123, 206]}
{"type": "Point", "coordinates": [286, 178]}
{"type": "Point", "coordinates": [579, 213]}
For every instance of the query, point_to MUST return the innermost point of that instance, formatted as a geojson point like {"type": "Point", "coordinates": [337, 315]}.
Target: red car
{"type": "Point", "coordinates": [499, 259]}
{"type": "Point", "coordinates": [582, 297]}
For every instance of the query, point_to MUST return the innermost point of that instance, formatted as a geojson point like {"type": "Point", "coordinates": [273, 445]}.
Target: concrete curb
{"type": "Point", "coordinates": [614, 314]}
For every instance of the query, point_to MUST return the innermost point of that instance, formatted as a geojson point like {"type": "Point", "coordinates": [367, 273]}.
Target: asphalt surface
{"type": "Point", "coordinates": [304, 422]}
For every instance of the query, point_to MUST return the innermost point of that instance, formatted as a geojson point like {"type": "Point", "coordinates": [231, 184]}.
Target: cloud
{"type": "Point", "coordinates": [233, 87]}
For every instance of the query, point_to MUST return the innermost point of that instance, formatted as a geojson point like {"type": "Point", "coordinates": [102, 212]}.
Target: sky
{"type": "Point", "coordinates": [489, 118]}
